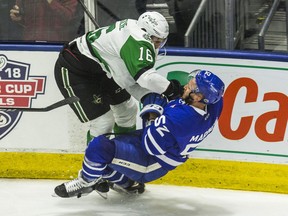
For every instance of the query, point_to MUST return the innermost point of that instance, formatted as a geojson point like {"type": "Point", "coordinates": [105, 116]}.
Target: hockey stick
{"type": "Point", "coordinates": [89, 13]}
{"type": "Point", "coordinates": [58, 104]}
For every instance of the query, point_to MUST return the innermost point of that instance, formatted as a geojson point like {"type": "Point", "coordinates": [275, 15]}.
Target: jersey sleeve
{"type": "Point", "coordinates": [137, 91]}
{"type": "Point", "coordinates": [153, 81]}
{"type": "Point", "coordinates": [138, 56]}
{"type": "Point", "coordinates": [158, 140]}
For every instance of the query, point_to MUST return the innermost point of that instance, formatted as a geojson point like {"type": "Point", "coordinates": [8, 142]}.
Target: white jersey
{"type": "Point", "coordinates": [126, 53]}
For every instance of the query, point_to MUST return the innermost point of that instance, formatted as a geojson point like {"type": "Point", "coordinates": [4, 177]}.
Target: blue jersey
{"type": "Point", "coordinates": [176, 133]}
{"type": "Point", "coordinates": [146, 155]}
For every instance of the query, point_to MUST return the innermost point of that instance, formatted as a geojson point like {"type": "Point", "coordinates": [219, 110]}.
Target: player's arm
{"type": "Point", "coordinates": [157, 83]}
{"type": "Point", "coordinates": [157, 137]}
{"type": "Point", "coordinates": [154, 127]}
{"type": "Point", "coordinates": [153, 107]}
{"type": "Point", "coordinates": [139, 91]}
{"type": "Point", "coordinates": [139, 58]}
{"type": "Point", "coordinates": [159, 141]}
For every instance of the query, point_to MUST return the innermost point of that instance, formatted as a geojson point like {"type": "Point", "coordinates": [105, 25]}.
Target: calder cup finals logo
{"type": "Point", "coordinates": [17, 89]}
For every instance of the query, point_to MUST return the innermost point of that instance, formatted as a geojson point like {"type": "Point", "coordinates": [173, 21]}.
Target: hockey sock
{"type": "Point", "coordinates": [118, 129]}
{"type": "Point", "coordinates": [89, 137]}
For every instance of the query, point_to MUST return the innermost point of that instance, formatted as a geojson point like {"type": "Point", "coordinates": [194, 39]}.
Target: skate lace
{"type": "Point", "coordinates": [73, 185]}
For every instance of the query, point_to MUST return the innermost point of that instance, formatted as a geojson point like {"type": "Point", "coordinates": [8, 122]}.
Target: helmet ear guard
{"type": "Point", "coordinates": [208, 84]}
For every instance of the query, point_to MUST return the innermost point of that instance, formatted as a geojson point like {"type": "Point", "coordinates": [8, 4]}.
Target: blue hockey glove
{"type": "Point", "coordinates": [152, 103]}
{"type": "Point", "coordinates": [154, 98]}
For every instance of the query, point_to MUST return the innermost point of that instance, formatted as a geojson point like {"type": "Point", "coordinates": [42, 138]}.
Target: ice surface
{"type": "Point", "coordinates": [22, 197]}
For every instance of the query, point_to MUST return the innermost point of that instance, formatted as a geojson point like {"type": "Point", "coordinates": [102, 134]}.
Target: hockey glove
{"type": "Point", "coordinates": [174, 90]}
{"type": "Point", "coordinates": [153, 106]}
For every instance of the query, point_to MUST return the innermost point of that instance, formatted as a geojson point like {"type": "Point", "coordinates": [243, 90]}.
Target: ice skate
{"type": "Point", "coordinates": [79, 187]}
{"type": "Point", "coordinates": [134, 188]}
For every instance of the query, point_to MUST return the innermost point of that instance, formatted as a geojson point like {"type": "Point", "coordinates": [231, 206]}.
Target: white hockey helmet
{"type": "Point", "coordinates": [154, 24]}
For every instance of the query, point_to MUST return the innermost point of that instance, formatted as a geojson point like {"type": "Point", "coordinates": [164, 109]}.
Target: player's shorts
{"type": "Point", "coordinates": [78, 75]}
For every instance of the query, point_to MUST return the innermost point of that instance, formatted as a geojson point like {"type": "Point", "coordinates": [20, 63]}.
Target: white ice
{"type": "Point", "coordinates": [34, 198]}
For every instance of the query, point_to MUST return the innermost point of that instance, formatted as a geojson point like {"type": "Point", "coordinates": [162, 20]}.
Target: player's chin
{"type": "Point", "coordinates": [183, 97]}
{"type": "Point", "coordinates": [187, 99]}
{"type": "Point", "coordinates": [157, 46]}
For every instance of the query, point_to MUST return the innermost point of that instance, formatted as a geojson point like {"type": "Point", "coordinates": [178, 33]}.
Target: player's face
{"type": "Point", "coordinates": [158, 42]}
{"type": "Point", "coordinates": [188, 91]}
{"type": "Point", "coordinates": [189, 87]}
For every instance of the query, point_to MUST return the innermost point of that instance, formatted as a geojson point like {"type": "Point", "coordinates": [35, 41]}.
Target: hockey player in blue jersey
{"type": "Point", "coordinates": [171, 132]}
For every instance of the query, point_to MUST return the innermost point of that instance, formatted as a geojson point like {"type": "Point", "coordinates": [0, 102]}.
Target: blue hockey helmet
{"type": "Point", "coordinates": [208, 84]}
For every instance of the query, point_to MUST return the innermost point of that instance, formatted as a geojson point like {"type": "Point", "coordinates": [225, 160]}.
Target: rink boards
{"type": "Point", "coordinates": [222, 174]}
{"type": "Point", "coordinates": [247, 149]}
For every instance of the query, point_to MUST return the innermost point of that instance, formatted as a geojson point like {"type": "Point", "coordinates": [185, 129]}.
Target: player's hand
{"type": "Point", "coordinates": [153, 106]}
{"type": "Point", "coordinates": [15, 14]}
{"type": "Point", "coordinates": [154, 98]}
{"type": "Point", "coordinates": [174, 90]}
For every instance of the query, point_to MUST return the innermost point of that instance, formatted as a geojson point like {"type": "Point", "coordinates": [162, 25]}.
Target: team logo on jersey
{"type": "Point", "coordinates": [17, 89]}
{"type": "Point", "coordinates": [97, 99]}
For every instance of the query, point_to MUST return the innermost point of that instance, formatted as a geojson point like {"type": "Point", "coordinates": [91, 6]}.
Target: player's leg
{"type": "Point", "coordinates": [74, 79]}
{"type": "Point", "coordinates": [131, 160]}
{"type": "Point", "coordinates": [101, 152]}
{"type": "Point", "coordinates": [81, 187]}
{"type": "Point", "coordinates": [123, 106]}
{"type": "Point", "coordinates": [125, 116]}
{"type": "Point", "coordinates": [98, 154]}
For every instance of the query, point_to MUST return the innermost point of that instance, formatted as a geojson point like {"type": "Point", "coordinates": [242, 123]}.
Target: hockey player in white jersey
{"type": "Point", "coordinates": [106, 66]}
{"type": "Point", "coordinates": [126, 162]}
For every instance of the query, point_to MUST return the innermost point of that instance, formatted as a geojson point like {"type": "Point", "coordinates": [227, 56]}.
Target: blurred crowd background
{"type": "Point", "coordinates": [211, 24]}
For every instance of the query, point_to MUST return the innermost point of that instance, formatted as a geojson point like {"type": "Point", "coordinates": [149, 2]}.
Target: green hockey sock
{"type": "Point", "coordinates": [89, 137]}
{"type": "Point", "coordinates": [118, 129]}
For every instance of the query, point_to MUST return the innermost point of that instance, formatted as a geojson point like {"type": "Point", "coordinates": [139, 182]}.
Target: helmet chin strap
{"type": "Point", "coordinates": [161, 55]}
{"type": "Point", "coordinates": [189, 99]}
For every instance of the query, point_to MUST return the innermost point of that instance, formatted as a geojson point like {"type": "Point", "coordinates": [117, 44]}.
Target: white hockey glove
{"type": "Point", "coordinates": [153, 106]}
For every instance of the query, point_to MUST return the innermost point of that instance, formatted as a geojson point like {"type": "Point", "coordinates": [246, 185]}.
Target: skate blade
{"type": "Point", "coordinates": [54, 195]}
{"type": "Point", "coordinates": [103, 195]}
